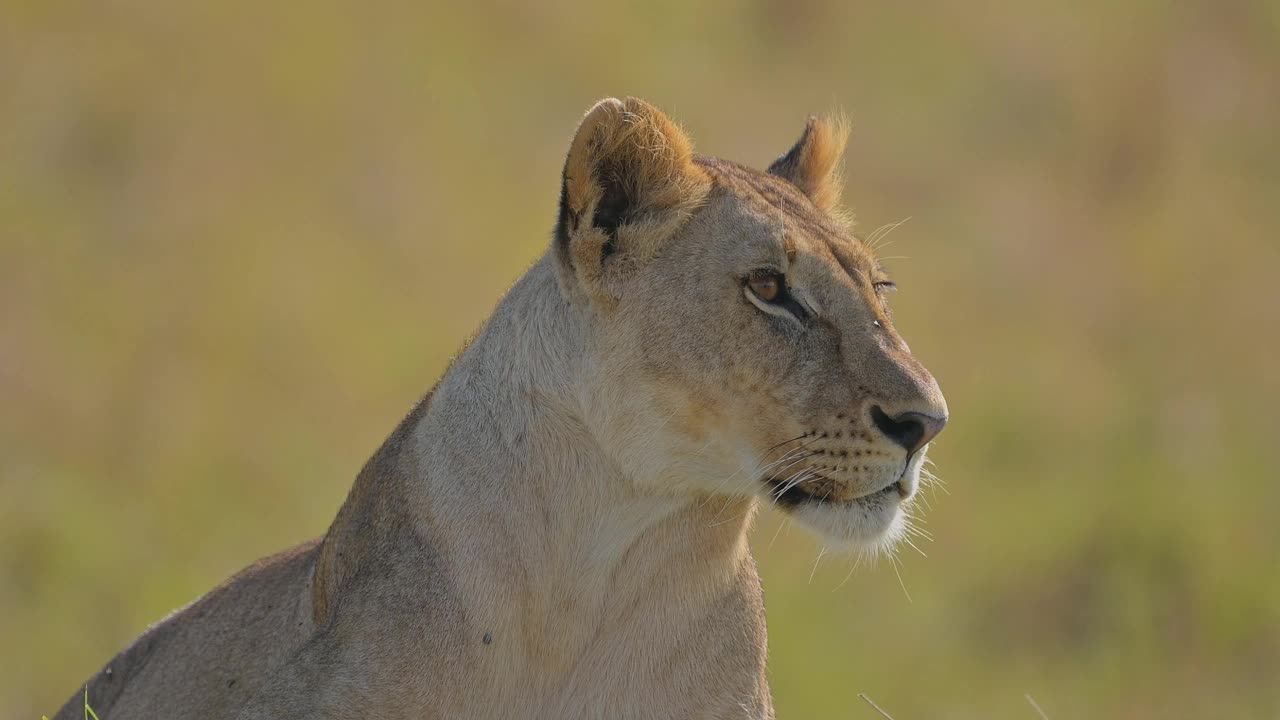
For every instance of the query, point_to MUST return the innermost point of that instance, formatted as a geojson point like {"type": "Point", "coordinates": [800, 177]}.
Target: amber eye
{"type": "Point", "coordinates": [766, 286]}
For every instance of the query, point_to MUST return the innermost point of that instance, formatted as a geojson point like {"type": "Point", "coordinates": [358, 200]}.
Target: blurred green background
{"type": "Point", "coordinates": [238, 240]}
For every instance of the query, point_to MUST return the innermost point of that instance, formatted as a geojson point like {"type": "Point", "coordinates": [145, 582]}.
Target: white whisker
{"type": "Point", "coordinates": [874, 240]}
{"type": "Point", "coordinates": [778, 532]}
{"type": "Point", "coordinates": [912, 545]}
{"type": "Point", "coordinates": [893, 560]}
{"type": "Point", "coordinates": [857, 561]}
{"type": "Point", "coordinates": [1036, 706]}
{"type": "Point", "coordinates": [815, 563]}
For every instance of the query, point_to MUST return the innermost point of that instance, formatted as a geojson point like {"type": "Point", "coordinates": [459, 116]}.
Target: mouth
{"type": "Point", "coordinates": [845, 512]}
{"type": "Point", "coordinates": [822, 490]}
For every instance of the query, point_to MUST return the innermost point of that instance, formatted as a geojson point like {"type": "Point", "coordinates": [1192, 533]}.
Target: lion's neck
{"type": "Point", "coordinates": [543, 532]}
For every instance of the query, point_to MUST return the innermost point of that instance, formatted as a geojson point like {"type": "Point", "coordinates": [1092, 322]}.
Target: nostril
{"type": "Point", "coordinates": [911, 430]}
{"type": "Point", "coordinates": [903, 431]}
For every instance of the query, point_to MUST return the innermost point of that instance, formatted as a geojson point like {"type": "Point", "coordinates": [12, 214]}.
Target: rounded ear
{"type": "Point", "coordinates": [629, 183]}
{"type": "Point", "coordinates": [812, 163]}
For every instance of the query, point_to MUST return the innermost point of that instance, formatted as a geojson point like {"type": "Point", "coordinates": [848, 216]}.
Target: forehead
{"type": "Point", "coordinates": [780, 213]}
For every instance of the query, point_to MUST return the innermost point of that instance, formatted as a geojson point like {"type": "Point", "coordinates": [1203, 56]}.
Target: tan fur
{"type": "Point", "coordinates": [633, 142]}
{"type": "Point", "coordinates": [813, 165]}
{"type": "Point", "coordinates": [559, 530]}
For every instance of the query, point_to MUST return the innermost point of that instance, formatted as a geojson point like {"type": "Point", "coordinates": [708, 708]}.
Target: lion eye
{"type": "Point", "coordinates": [767, 290]}
{"type": "Point", "coordinates": [767, 286]}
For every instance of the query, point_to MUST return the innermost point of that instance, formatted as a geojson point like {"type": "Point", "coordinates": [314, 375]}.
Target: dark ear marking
{"type": "Point", "coordinates": [566, 220]}
{"type": "Point", "coordinates": [613, 209]}
{"type": "Point", "coordinates": [788, 162]}
{"type": "Point", "coordinates": [629, 183]}
{"type": "Point", "coordinates": [812, 164]}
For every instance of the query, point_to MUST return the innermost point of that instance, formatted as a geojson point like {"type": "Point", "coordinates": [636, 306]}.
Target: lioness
{"type": "Point", "coordinates": [559, 529]}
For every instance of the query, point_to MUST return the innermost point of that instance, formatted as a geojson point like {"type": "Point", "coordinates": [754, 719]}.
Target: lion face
{"type": "Point", "coordinates": [741, 340]}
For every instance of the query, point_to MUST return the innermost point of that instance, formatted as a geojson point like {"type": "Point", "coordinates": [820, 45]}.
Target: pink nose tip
{"type": "Point", "coordinates": [911, 430]}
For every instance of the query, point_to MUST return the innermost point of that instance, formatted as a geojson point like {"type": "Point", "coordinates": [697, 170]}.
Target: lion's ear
{"type": "Point", "coordinates": [812, 164]}
{"type": "Point", "coordinates": [629, 183]}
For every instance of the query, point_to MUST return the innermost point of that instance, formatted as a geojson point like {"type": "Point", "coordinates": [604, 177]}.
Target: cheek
{"type": "Point", "coordinates": [698, 340]}
{"type": "Point", "coordinates": [697, 413]}
{"type": "Point", "coordinates": [728, 359]}
{"type": "Point", "coordinates": [778, 370]}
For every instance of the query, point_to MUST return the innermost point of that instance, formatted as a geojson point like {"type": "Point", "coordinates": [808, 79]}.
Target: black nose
{"type": "Point", "coordinates": [911, 430]}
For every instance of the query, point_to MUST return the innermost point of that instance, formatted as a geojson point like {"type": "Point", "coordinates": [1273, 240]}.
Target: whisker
{"type": "Point", "coordinates": [719, 487]}
{"type": "Point", "coordinates": [924, 498]}
{"type": "Point", "coordinates": [912, 529]}
{"type": "Point", "coordinates": [766, 469]}
{"type": "Point", "coordinates": [729, 519]}
{"type": "Point", "coordinates": [778, 532]}
{"type": "Point", "coordinates": [798, 478]}
{"type": "Point", "coordinates": [792, 464]}
{"type": "Point", "coordinates": [814, 571]}
{"type": "Point", "coordinates": [907, 540]}
{"type": "Point", "coordinates": [789, 459]}
{"type": "Point", "coordinates": [893, 560]}
{"type": "Point", "coordinates": [775, 447]}
{"type": "Point", "coordinates": [875, 239]}
{"type": "Point", "coordinates": [857, 561]}
{"type": "Point", "coordinates": [1036, 706]}
{"type": "Point", "coordinates": [877, 708]}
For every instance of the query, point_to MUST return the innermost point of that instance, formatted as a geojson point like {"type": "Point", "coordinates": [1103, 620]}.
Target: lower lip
{"type": "Point", "coordinates": [795, 496]}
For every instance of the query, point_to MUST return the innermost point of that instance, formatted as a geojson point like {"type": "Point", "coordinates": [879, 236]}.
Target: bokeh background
{"type": "Point", "coordinates": [239, 239]}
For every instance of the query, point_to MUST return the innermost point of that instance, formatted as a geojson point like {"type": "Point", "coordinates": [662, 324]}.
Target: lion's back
{"type": "Point", "coordinates": [213, 654]}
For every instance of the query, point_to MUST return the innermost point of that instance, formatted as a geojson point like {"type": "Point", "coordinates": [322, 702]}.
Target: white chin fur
{"type": "Point", "coordinates": [876, 522]}
{"type": "Point", "coordinates": [863, 524]}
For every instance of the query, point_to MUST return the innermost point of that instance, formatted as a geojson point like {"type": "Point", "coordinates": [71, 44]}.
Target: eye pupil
{"type": "Point", "coordinates": [766, 287]}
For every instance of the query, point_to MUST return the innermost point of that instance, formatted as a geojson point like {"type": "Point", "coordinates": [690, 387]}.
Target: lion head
{"type": "Point", "coordinates": [738, 334]}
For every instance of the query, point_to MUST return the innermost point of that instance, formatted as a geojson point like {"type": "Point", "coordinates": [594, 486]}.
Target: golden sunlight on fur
{"type": "Point", "coordinates": [559, 528]}
{"type": "Point", "coordinates": [813, 164]}
{"type": "Point", "coordinates": [632, 143]}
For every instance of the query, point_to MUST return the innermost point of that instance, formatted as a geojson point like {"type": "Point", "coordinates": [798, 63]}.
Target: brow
{"type": "Point", "coordinates": [848, 262]}
{"type": "Point", "coordinates": [774, 192]}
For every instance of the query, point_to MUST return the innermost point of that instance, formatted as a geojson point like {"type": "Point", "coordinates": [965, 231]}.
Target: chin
{"type": "Point", "coordinates": [875, 521]}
